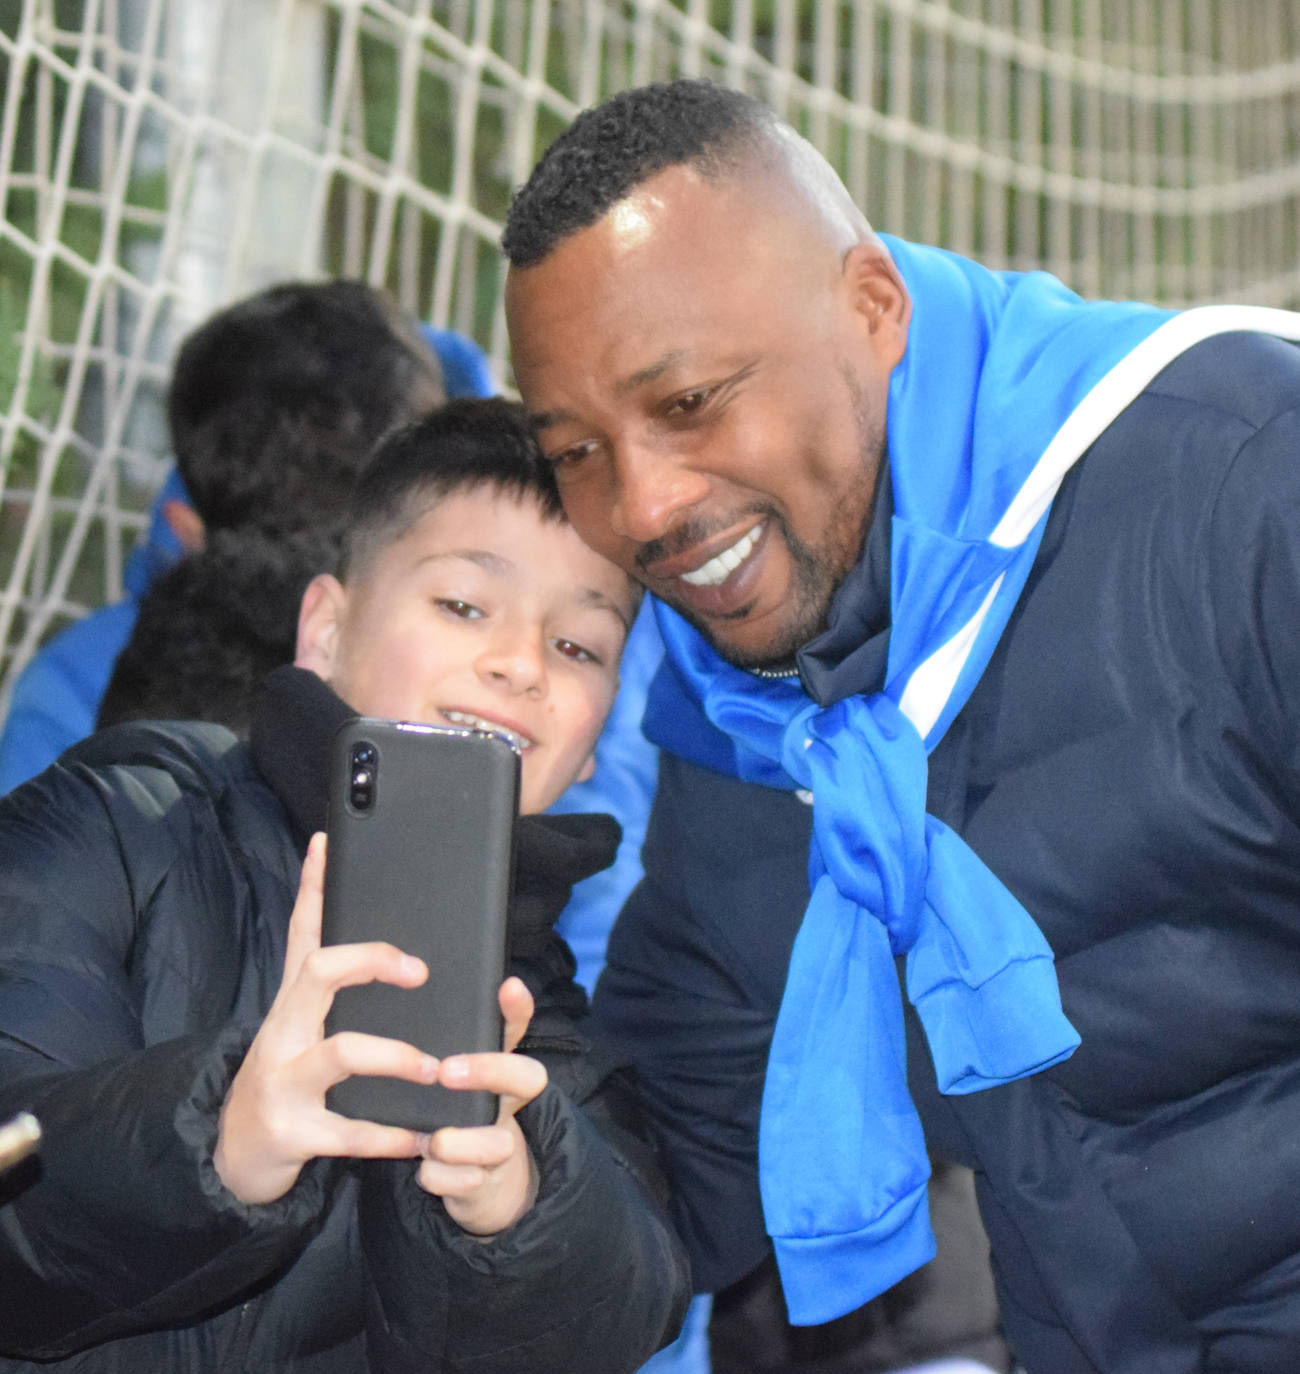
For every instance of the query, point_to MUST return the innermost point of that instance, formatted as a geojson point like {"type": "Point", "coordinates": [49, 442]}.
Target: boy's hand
{"type": "Point", "coordinates": [274, 1118]}
{"type": "Point", "coordinates": [485, 1175]}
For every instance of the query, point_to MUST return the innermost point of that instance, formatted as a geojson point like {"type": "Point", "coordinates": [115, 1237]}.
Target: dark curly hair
{"type": "Point", "coordinates": [212, 627]}
{"type": "Point", "coordinates": [610, 150]}
{"type": "Point", "coordinates": [276, 401]}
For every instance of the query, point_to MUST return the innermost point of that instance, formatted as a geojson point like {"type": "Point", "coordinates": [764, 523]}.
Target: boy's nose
{"type": "Point", "coordinates": [515, 660]}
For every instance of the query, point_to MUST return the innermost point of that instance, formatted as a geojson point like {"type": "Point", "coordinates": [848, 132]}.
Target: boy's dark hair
{"type": "Point", "coordinates": [464, 445]}
{"type": "Point", "coordinates": [276, 401]}
{"type": "Point", "coordinates": [610, 150]}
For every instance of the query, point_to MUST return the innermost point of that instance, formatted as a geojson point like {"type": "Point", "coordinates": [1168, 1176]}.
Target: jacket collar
{"type": "Point", "coordinates": [848, 657]}
{"type": "Point", "coordinates": [294, 720]}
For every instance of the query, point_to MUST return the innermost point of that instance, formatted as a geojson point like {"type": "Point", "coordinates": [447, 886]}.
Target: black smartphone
{"type": "Point", "coordinates": [421, 829]}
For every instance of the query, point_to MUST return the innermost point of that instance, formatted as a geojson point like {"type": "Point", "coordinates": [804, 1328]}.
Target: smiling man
{"type": "Point", "coordinates": [715, 413]}
{"type": "Point", "coordinates": [978, 601]}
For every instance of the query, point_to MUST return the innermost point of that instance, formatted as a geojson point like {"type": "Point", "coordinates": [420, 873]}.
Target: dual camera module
{"type": "Point", "coordinates": [361, 778]}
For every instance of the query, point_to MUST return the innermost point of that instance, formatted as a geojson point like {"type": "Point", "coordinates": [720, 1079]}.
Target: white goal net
{"type": "Point", "coordinates": [159, 158]}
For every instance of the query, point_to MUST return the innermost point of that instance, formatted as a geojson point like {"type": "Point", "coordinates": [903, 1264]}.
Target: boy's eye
{"type": "Point", "coordinates": [461, 609]}
{"type": "Point", "coordinates": [575, 651]}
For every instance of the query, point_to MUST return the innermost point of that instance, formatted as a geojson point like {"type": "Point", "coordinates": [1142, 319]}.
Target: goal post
{"type": "Point", "coordinates": [160, 158]}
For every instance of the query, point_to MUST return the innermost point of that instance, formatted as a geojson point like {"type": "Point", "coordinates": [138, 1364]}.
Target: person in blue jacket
{"type": "Point", "coordinates": [56, 698]}
{"type": "Point", "coordinates": [977, 833]}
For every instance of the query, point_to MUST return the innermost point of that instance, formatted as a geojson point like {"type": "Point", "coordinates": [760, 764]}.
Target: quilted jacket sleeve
{"type": "Point", "coordinates": [592, 1278]}
{"type": "Point", "coordinates": [120, 1222]}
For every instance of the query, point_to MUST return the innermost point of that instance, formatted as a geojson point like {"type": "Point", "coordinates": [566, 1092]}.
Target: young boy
{"type": "Point", "coordinates": [194, 1204]}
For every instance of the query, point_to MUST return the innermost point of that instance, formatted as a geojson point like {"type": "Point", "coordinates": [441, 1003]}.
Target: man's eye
{"type": "Point", "coordinates": [575, 651]}
{"type": "Point", "coordinates": [461, 609]}
{"type": "Point", "coordinates": [689, 403]}
{"type": "Point", "coordinates": [568, 457]}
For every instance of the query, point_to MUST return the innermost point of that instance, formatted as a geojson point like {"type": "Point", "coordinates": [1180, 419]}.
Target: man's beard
{"type": "Point", "coordinates": [815, 579]}
{"type": "Point", "coordinates": [810, 597]}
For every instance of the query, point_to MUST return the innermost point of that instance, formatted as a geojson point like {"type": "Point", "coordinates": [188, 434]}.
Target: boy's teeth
{"type": "Point", "coordinates": [722, 565]}
{"type": "Point", "coordinates": [478, 723]}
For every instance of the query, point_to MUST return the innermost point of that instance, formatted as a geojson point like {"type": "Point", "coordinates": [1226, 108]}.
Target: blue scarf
{"type": "Point", "coordinates": [1006, 380]}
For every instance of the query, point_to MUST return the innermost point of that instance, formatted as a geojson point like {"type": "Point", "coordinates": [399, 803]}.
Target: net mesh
{"type": "Point", "coordinates": [160, 158]}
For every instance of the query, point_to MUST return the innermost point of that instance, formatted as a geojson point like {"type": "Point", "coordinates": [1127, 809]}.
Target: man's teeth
{"type": "Point", "coordinates": [722, 565]}
{"type": "Point", "coordinates": [521, 742]}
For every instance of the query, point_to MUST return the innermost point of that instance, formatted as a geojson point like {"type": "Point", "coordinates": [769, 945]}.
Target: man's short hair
{"type": "Point", "coordinates": [463, 446]}
{"type": "Point", "coordinates": [608, 151]}
{"type": "Point", "coordinates": [276, 402]}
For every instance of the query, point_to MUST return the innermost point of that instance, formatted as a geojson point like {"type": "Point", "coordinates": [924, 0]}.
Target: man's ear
{"type": "Point", "coordinates": [319, 622]}
{"type": "Point", "coordinates": [588, 769]}
{"type": "Point", "coordinates": [880, 298]}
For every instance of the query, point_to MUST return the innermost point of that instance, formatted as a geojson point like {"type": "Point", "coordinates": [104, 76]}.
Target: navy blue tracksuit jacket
{"type": "Point", "coordinates": [1129, 766]}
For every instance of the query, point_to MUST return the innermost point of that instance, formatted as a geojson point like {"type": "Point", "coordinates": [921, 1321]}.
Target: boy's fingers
{"type": "Point", "coordinates": [344, 966]}
{"type": "Point", "coordinates": [305, 919]}
{"type": "Point", "coordinates": [516, 1004]}
{"type": "Point", "coordinates": [450, 1180]}
{"type": "Point", "coordinates": [516, 1077]}
{"type": "Point", "coordinates": [483, 1146]}
{"type": "Point", "coordinates": [327, 968]}
{"type": "Point", "coordinates": [347, 1139]}
{"type": "Point", "coordinates": [350, 1053]}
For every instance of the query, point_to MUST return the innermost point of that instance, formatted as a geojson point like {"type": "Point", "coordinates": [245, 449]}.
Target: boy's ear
{"type": "Point", "coordinates": [319, 624]}
{"type": "Point", "coordinates": [185, 523]}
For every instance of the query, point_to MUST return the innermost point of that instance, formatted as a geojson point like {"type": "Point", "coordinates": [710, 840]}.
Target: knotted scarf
{"type": "Point", "coordinates": [1006, 380]}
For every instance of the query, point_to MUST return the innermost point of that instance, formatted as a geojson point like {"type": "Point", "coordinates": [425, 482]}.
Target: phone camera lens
{"type": "Point", "coordinates": [361, 792]}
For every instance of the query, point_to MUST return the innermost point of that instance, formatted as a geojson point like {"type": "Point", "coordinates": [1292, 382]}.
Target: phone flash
{"type": "Point", "coordinates": [19, 1136]}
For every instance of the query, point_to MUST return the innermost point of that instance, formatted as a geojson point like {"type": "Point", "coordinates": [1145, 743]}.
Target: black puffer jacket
{"type": "Point", "coordinates": [145, 885]}
{"type": "Point", "coordinates": [1129, 766]}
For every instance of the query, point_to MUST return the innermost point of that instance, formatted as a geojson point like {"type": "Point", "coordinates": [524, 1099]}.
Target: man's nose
{"type": "Point", "coordinates": [653, 487]}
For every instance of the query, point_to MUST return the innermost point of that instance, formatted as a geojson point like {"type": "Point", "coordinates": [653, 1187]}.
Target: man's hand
{"type": "Point", "coordinates": [485, 1175]}
{"type": "Point", "coordinates": [274, 1118]}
